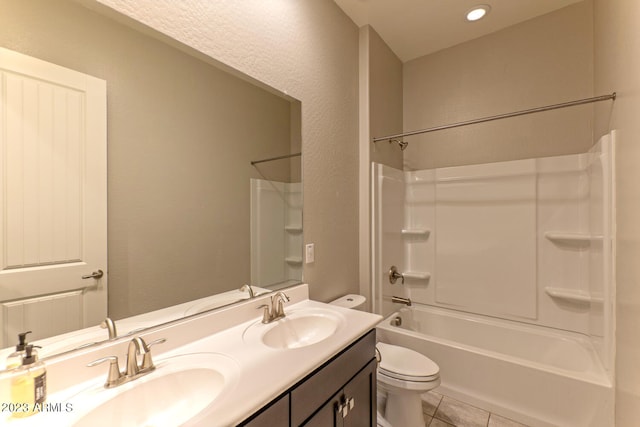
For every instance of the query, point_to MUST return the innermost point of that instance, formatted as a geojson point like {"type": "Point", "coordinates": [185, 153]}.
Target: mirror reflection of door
{"type": "Point", "coordinates": [53, 221]}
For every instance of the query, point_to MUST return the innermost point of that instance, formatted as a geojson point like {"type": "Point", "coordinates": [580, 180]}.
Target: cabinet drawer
{"type": "Point", "coordinates": [311, 394]}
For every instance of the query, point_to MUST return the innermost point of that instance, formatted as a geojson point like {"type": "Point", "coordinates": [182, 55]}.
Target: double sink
{"type": "Point", "coordinates": [184, 385]}
{"type": "Point", "coordinates": [253, 362]}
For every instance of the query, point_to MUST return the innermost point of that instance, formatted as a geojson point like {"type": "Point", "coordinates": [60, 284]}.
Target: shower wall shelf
{"type": "Point", "coordinates": [573, 295]}
{"type": "Point", "coordinates": [416, 232]}
{"type": "Point", "coordinates": [417, 275]}
{"type": "Point", "coordinates": [293, 260]}
{"type": "Point", "coordinates": [572, 239]}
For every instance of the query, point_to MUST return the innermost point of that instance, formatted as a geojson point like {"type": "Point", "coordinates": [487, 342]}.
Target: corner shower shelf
{"type": "Point", "coordinates": [417, 275]}
{"type": "Point", "coordinates": [416, 232]}
{"type": "Point", "coordinates": [573, 295]}
{"type": "Point", "coordinates": [294, 260]}
{"type": "Point", "coordinates": [572, 239]}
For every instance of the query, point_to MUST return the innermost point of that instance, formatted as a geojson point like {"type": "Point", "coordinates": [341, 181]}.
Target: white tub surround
{"type": "Point", "coordinates": [276, 232]}
{"type": "Point", "coordinates": [263, 373]}
{"type": "Point", "coordinates": [538, 376]}
{"type": "Point", "coordinates": [528, 241]}
{"type": "Point", "coordinates": [549, 219]}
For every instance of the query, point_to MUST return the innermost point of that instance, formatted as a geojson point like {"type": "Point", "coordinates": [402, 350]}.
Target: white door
{"type": "Point", "coordinates": [53, 199]}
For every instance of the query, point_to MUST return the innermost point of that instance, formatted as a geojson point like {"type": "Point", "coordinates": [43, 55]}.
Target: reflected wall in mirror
{"type": "Point", "coordinates": [181, 138]}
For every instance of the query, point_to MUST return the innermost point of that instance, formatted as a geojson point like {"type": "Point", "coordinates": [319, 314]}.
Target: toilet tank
{"type": "Point", "coordinates": [357, 302]}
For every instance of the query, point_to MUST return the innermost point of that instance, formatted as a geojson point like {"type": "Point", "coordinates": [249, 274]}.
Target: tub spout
{"type": "Point", "coordinates": [401, 300]}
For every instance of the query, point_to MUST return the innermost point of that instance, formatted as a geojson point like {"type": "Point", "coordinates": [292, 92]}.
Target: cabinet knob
{"type": "Point", "coordinates": [345, 411]}
{"type": "Point", "coordinates": [345, 405]}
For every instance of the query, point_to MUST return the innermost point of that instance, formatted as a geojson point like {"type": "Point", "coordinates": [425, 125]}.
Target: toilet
{"type": "Point", "coordinates": [403, 375]}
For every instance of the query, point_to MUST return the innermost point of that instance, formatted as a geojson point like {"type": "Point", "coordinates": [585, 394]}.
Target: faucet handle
{"type": "Point", "coordinates": [114, 377]}
{"type": "Point", "coordinates": [266, 315]}
{"type": "Point", "coordinates": [147, 362]}
{"type": "Point", "coordinates": [154, 342]}
{"type": "Point", "coordinates": [394, 275]}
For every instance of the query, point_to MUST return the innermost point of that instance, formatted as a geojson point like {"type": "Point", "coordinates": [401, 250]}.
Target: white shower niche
{"type": "Point", "coordinates": [526, 240]}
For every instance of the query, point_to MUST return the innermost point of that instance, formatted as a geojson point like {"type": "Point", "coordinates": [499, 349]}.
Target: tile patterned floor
{"type": "Point", "coordinates": [443, 411]}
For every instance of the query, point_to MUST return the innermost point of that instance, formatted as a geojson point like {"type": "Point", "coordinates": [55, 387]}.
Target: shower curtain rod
{"type": "Point", "coordinates": [390, 138]}
{"type": "Point", "coordinates": [255, 162]}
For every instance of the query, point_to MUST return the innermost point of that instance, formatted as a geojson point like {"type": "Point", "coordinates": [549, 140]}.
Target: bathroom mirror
{"type": "Point", "coordinates": [203, 164]}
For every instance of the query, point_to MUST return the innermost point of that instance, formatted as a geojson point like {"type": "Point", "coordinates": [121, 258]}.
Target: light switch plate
{"type": "Point", "coordinates": [310, 253]}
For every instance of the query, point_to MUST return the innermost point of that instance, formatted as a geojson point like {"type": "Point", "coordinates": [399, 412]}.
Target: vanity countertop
{"type": "Point", "coordinates": [263, 372]}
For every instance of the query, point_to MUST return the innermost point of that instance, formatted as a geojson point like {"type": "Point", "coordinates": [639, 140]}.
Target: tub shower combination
{"type": "Point", "coordinates": [509, 270]}
{"type": "Point", "coordinates": [546, 378]}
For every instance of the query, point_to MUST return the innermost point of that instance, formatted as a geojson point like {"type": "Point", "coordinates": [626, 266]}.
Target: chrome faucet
{"type": "Point", "coordinates": [134, 370]}
{"type": "Point", "coordinates": [401, 300]}
{"type": "Point", "coordinates": [136, 346]}
{"type": "Point", "coordinates": [110, 326]}
{"type": "Point", "coordinates": [280, 298]}
{"type": "Point", "coordinates": [276, 310]}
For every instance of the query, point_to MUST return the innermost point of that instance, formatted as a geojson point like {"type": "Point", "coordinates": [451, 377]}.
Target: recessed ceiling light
{"type": "Point", "coordinates": [478, 12]}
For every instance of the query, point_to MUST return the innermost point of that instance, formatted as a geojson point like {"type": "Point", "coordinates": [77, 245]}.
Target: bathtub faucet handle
{"type": "Point", "coordinates": [394, 275]}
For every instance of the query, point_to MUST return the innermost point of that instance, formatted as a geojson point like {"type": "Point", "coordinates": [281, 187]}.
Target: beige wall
{"type": "Point", "coordinates": [308, 49]}
{"type": "Point", "coordinates": [543, 61]}
{"type": "Point", "coordinates": [181, 134]}
{"type": "Point", "coordinates": [385, 99]}
{"type": "Point", "coordinates": [380, 90]}
{"type": "Point", "coordinates": [617, 68]}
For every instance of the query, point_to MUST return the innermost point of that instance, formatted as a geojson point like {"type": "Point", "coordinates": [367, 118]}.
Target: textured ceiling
{"type": "Point", "coordinates": [413, 28]}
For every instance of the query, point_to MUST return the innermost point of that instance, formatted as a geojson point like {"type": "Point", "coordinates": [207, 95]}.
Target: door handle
{"type": "Point", "coordinates": [95, 275]}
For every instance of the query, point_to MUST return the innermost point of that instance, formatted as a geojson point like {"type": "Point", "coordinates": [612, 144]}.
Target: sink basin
{"type": "Point", "coordinates": [298, 329]}
{"type": "Point", "coordinates": [179, 389]}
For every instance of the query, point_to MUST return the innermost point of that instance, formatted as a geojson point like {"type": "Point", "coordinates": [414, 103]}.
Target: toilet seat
{"type": "Point", "coordinates": [404, 364]}
{"type": "Point", "coordinates": [400, 377]}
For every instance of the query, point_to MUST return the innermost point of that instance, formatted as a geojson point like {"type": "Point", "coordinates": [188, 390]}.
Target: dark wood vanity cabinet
{"type": "Point", "coordinates": [353, 406]}
{"type": "Point", "coordinates": [342, 392]}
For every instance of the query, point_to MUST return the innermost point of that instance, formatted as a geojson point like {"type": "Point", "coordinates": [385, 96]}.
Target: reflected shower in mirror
{"type": "Point", "coordinates": [276, 223]}
{"type": "Point", "coordinates": [182, 131]}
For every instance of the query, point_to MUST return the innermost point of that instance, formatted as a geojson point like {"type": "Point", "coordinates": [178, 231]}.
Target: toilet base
{"type": "Point", "coordinates": [404, 410]}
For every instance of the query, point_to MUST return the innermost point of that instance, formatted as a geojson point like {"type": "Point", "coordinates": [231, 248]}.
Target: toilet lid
{"type": "Point", "coordinates": [406, 364]}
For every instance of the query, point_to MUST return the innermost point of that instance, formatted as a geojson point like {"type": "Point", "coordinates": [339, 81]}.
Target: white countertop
{"type": "Point", "coordinates": [264, 372]}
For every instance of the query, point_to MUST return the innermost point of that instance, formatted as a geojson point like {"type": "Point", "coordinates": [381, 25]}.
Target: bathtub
{"type": "Point", "coordinates": [535, 375]}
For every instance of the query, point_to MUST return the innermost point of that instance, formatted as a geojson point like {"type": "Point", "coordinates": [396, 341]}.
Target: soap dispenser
{"type": "Point", "coordinates": [14, 360]}
{"type": "Point", "coordinates": [29, 385]}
